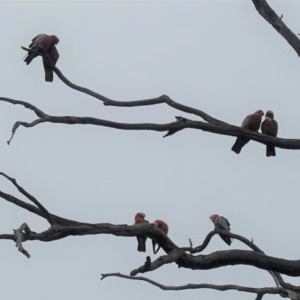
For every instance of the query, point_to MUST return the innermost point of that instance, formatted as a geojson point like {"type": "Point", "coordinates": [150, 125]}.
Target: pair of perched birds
{"type": "Point", "coordinates": [269, 126]}
{"type": "Point", "coordinates": [44, 45]}
{"type": "Point", "coordinates": [139, 218]}
{"type": "Point", "coordinates": [220, 223]}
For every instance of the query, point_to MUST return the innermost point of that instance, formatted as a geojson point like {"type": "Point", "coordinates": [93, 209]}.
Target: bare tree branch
{"type": "Point", "coordinates": [64, 227]}
{"type": "Point", "coordinates": [27, 105]}
{"type": "Point", "coordinates": [133, 103]}
{"type": "Point", "coordinates": [36, 211]}
{"type": "Point", "coordinates": [270, 16]}
{"type": "Point", "coordinates": [180, 124]}
{"type": "Point", "coordinates": [159, 262]}
{"type": "Point", "coordinates": [226, 287]}
{"type": "Point", "coordinates": [30, 197]}
{"type": "Point", "coordinates": [61, 228]}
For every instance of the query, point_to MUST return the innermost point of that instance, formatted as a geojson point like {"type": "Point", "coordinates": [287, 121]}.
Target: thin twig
{"type": "Point", "coordinates": [226, 287]}
{"type": "Point", "coordinates": [30, 197]}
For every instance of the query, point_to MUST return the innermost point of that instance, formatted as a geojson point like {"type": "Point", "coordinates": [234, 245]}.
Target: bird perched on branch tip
{"type": "Point", "coordinates": [222, 223]}
{"type": "Point", "coordinates": [40, 44]}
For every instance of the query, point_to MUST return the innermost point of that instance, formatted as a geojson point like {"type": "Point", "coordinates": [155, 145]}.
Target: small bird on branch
{"type": "Point", "coordinates": [164, 227]}
{"type": "Point", "coordinates": [222, 223]}
{"type": "Point", "coordinates": [139, 218]}
{"type": "Point", "coordinates": [251, 122]}
{"type": "Point", "coordinates": [270, 127]}
{"type": "Point", "coordinates": [44, 45]}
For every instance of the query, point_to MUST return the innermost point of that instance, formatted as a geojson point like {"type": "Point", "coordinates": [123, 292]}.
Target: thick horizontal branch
{"type": "Point", "coordinates": [226, 287]}
{"type": "Point", "coordinates": [64, 227]}
{"type": "Point", "coordinates": [180, 124]}
{"type": "Point", "coordinates": [241, 257]}
{"type": "Point", "coordinates": [270, 16]}
{"type": "Point", "coordinates": [200, 262]}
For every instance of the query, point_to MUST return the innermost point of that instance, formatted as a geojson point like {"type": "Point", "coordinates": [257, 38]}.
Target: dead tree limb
{"type": "Point", "coordinates": [217, 127]}
{"type": "Point", "coordinates": [270, 16]}
{"type": "Point", "coordinates": [62, 228]}
{"type": "Point", "coordinates": [190, 286]}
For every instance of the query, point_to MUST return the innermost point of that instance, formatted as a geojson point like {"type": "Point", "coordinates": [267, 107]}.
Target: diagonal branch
{"type": "Point", "coordinates": [133, 103]}
{"type": "Point", "coordinates": [27, 105]}
{"type": "Point", "coordinates": [270, 16]}
{"type": "Point", "coordinates": [30, 197]}
{"type": "Point", "coordinates": [33, 209]}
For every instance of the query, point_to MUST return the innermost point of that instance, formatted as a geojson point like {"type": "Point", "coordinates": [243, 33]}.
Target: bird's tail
{"type": "Point", "coordinates": [270, 150]}
{"type": "Point", "coordinates": [141, 244]}
{"type": "Point", "coordinates": [236, 148]}
{"type": "Point", "coordinates": [154, 245]}
{"type": "Point", "coordinates": [49, 75]}
{"type": "Point", "coordinates": [29, 58]}
{"type": "Point", "coordinates": [239, 144]}
{"type": "Point", "coordinates": [226, 239]}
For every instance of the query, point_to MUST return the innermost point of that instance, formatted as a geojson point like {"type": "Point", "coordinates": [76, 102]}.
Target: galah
{"type": "Point", "coordinates": [139, 218]}
{"type": "Point", "coordinates": [221, 223]}
{"type": "Point", "coordinates": [270, 127]}
{"type": "Point", "coordinates": [251, 122]}
{"type": "Point", "coordinates": [164, 227]}
{"type": "Point", "coordinates": [40, 43]}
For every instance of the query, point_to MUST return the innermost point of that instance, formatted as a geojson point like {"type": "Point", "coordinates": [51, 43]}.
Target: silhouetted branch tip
{"type": "Point", "coordinates": [23, 229]}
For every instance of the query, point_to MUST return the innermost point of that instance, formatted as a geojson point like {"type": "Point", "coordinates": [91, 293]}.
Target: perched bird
{"type": "Point", "coordinates": [221, 223]}
{"type": "Point", "coordinates": [251, 122]}
{"type": "Point", "coordinates": [40, 43]}
{"type": "Point", "coordinates": [139, 218]}
{"type": "Point", "coordinates": [270, 127]}
{"type": "Point", "coordinates": [164, 227]}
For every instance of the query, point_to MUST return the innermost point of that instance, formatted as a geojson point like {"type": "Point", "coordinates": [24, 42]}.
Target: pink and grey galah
{"type": "Point", "coordinates": [139, 218]}
{"type": "Point", "coordinates": [251, 122]}
{"type": "Point", "coordinates": [39, 44]}
{"type": "Point", "coordinates": [164, 227]}
{"type": "Point", "coordinates": [221, 223]}
{"type": "Point", "coordinates": [270, 127]}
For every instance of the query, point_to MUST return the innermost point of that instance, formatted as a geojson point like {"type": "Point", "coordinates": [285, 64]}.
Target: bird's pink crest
{"type": "Point", "coordinates": [259, 113]}
{"type": "Point", "coordinates": [214, 218]}
{"type": "Point", "coordinates": [270, 114]}
{"type": "Point", "coordinates": [162, 225]}
{"type": "Point", "coordinates": [139, 217]}
{"type": "Point", "coordinates": [55, 39]}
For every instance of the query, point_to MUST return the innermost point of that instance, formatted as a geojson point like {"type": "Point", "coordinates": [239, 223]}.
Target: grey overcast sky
{"type": "Point", "coordinates": [218, 56]}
